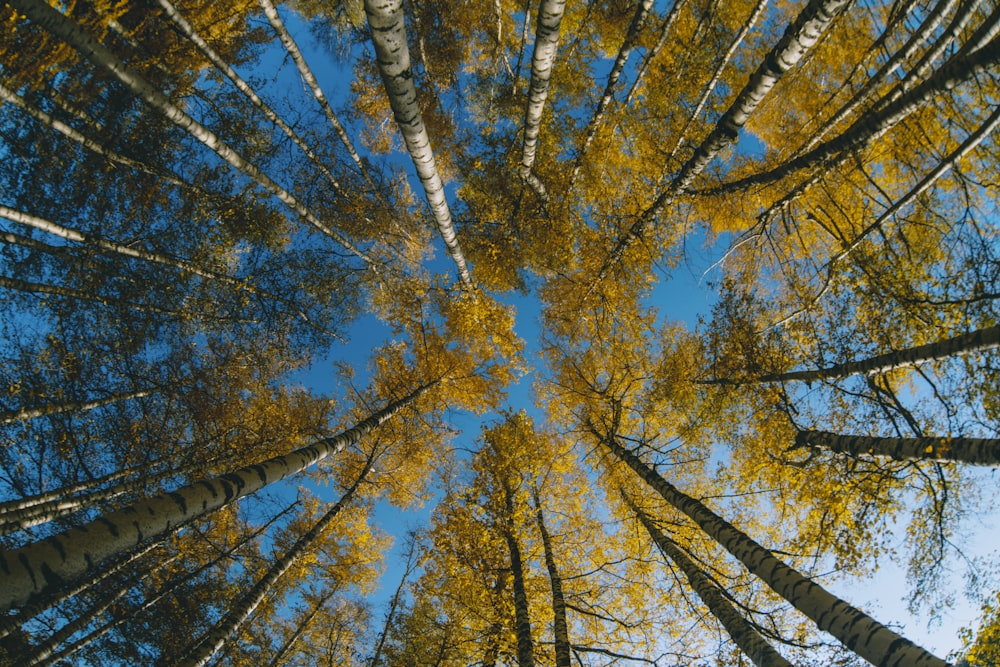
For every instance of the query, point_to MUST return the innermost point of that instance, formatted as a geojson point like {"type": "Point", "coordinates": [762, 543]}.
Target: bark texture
{"type": "Point", "coordinates": [977, 451]}
{"type": "Point", "coordinates": [203, 651]}
{"type": "Point", "coordinates": [560, 629]}
{"type": "Point", "coordinates": [385, 18]}
{"type": "Point", "coordinates": [801, 36]}
{"type": "Point", "coordinates": [550, 13]}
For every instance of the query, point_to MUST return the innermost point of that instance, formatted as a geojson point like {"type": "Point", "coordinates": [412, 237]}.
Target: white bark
{"type": "Point", "coordinates": [638, 20]}
{"type": "Point", "coordinates": [205, 649]}
{"type": "Point", "coordinates": [8, 95]}
{"type": "Point", "coordinates": [744, 635]}
{"type": "Point", "coordinates": [385, 18]}
{"type": "Point", "coordinates": [10, 416]}
{"type": "Point", "coordinates": [188, 31]}
{"type": "Point", "coordinates": [550, 13]}
{"type": "Point", "coordinates": [310, 80]}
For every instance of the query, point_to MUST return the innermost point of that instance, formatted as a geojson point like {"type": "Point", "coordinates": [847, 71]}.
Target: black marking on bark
{"type": "Point", "coordinates": [57, 545]}
{"type": "Point", "coordinates": [26, 564]}
{"type": "Point", "coordinates": [112, 528]}
{"type": "Point", "coordinates": [261, 473]}
{"type": "Point", "coordinates": [180, 500]}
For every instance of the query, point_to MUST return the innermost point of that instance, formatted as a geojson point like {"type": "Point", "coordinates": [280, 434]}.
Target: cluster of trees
{"type": "Point", "coordinates": [199, 199]}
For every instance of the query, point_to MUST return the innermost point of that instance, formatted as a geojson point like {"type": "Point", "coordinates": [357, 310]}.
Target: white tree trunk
{"type": "Point", "coordinates": [550, 13]}
{"type": "Point", "coordinates": [385, 18]}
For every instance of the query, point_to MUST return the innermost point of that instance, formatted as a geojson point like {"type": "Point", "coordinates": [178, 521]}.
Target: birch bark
{"type": "Point", "coordinates": [385, 18]}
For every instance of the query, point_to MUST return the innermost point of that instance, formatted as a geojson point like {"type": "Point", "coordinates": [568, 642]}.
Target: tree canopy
{"type": "Point", "coordinates": [204, 207]}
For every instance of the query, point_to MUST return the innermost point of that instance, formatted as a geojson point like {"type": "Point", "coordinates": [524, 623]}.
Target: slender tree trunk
{"type": "Point", "coordinates": [742, 632]}
{"type": "Point", "coordinates": [58, 596]}
{"type": "Point", "coordinates": [411, 563]}
{"type": "Point", "coordinates": [977, 451]}
{"type": "Point", "coordinates": [271, 12]}
{"type": "Point", "coordinates": [801, 36]}
{"type": "Point", "coordinates": [968, 343]}
{"type": "Point", "coordinates": [60, 26]}
{"type": "Point", "coordinates": [522, 619]}
{"type": "Point", "coordinates": [299, 630]}
{"type": "Point", "coordinates": [386, 20]}
{"type": "Point", "coordinates": [31, 287]}
{"type": "Point", "coordinates": [107, 246]}
{"type": "Point", "coordinates": [22, 414]}
{"type": "Point", "coordinates": [543, 58]}
{"type": "Point", "coordinates": [39, 566]}
{"type": "Point", "coordinates": [856, 630]}
{"type": "Point", "coordinates": [204, 650]}
{"type": "Point", "coordinates": [166, 590]}
{"type": "Point", "coordinates": [44, 512]}
{"type": "Point", "coordinates": [9, 506]}
{"type": "Point", "coordinates": [191, 34]}
{"type": "Point", "coordinates": [635, 26]}
{"type": "Point", "coordinates": [744, 30]}
{"type": "Point", "coordinates": [916, 40]}
{"type": "Point", "coordinates": [522, 616]}
{"type": "Point", "coordinates": [942, 168]}
{"type": "Point", "coordinates": [560, 629]}
{"type": "Point", "coordinates": [44, 654]}
{"type": "Point", "coordinates": [8, 95]}
{"type": "Point", "coordinates": [652, 53]}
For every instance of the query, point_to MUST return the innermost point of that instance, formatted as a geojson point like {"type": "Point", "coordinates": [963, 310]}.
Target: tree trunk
{"type": "Point", "coordinates": [386, 20]}
{"type": "Point", "coordinates": [742, 632]}
{"type": "Point", "coordinates": [8, 95]}
{"type": "Point", "coordinates": [52, 598]}
{"type": "Point", "coordinates": [550, 14]}
{"type": "Point", "coordinates": [299, 630]}
{"type": "Point", "coordinates": [10, 416]}
{"type": "Point", "coordinates": [856, 630]}
{"type": "Point", "coordinates": [974, 341]}
{"type": "Point", "coordinates": [310, 80]}
{"type": "Point", "coordinates": [204, 650]}
{"type": "Point", "coordinates": [717, 75]}
{"type": "Point", "coordinates": [977, 451]}
{"type": "Point", "coordinates": [916, 40]}
{"type": "Point", "coordinates": [651, 54]}
{"type": "Point", "coordinates": [522, 616]}
{"type": "Point", "coordinates": [411, 563]}
{"type": "Point", "coordinates": [59, 25]}
{"type": "Point", "coordinates": [638, 20]}
{"type": "Point", "coordinates": [39, 566]}
{"type": "Point", "coordinates": [560, 629]}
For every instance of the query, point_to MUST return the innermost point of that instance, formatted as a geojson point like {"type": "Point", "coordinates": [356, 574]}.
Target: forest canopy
{"type": "Point", "coordinates": [203, 203]}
